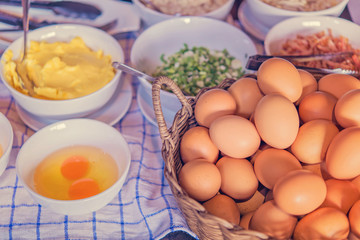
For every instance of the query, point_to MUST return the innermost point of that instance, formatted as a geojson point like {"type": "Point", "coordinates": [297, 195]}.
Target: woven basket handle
{"type": "Point", "coordinates": [156, 87]}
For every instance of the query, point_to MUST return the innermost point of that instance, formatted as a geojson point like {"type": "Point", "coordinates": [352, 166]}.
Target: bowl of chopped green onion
{"type": "Point", "coordinates": [195, 52]}
{"type": "Point", "coordinates": [193, 68]}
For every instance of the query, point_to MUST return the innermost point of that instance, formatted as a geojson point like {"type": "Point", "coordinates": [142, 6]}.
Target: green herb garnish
{"type": "Point", "coordinates": [197, 67]}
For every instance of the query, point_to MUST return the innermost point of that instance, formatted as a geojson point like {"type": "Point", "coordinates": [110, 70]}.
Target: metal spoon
{"type": "Point", "coordinates": [136, 73]}
{"type": "Point", "coordinates": [132, 71]}
{"type": "Point", "coordinates": [64, 8]}
{"type": "Point", "coordinates": [16, 21]}
{"type": "Point", "coordinates": [255, 61]}
{"type": "Point", "coordinates": [21, 65]}
{"type": "Point", "coordinates": [26, 7]}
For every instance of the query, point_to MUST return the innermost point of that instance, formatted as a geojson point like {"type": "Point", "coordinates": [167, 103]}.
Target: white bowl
{"type": "Point", "coordinates": [150, 16]}
{"type": "Point", "coordinates": [6, 141]}
{"type": "Point", "coordinates": [268, 15]}
{"type": "Point", "coordinates": [290, 28]}
{"type": "Point", "coordinates": [169, 36]}
{"type": "Point", "coordinates": [73, 132]}
{"type": "Point", "coordinates": [71, 108]}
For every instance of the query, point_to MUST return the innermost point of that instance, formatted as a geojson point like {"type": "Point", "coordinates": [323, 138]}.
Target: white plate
{"type": "Point", "coordinates": [127, 18]}
{"type": "Point", "coordinates": [111, 113]}
{"type": "Point", "coordinates": [146, 107]}
{"type": "Point", "coordinates": [250, 24]}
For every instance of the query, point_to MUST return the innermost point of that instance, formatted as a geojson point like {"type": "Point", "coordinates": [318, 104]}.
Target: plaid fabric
{"type": "Point", "coordinates": [144, 208]}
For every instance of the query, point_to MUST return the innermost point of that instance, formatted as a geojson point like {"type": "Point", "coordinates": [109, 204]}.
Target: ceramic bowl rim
{"type": "Point", "coordinates": [159, 14]}
{"type": "Point", "coordinates": [284, 12]}
{"type": "Point", "coordinates": [42, 31]}
{"type": "Point", "coordinates": [5, 157]}
{"type": "Point", "coordinates": [182, 19]}
{"type": "Point", "coordinates": [296, 21]}
{"type": "Point", "coordinates": [119, 181]}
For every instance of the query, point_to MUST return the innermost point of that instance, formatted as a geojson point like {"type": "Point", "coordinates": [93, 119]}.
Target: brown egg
{"type": "Point", "coordinates": [318, 169]}
{"type": "Point", "coordinates": [277, 75]}
{"type": "Point", "coordinates": [309, 84]}
{"type": "Point", "coordinates": [323, 223]}
{"type": "Point", "coordinates": [235, 136]}
{"type": "Point", "coordinates": [245, 220]}
{"type": "Point", "coordinates": [354, 218]}
{"type": "Point", "coordinates": [213, 104]}
{"type": "Point", "coordinates": [269, 196]}
{"type": "Point", "coordinates": [324, 172]}
{"type": "Point", "coordinates": [317, 105]}
{"type": "Point", "coordinates": [314, 168]}
{"type": "Point", "coordinates": [277, 121]}
{"type": "Point", "coordinates": [342, 157]}
{"type": "Point", "coordinates": [356, 182]}
{"type": "Point", "coordinates": [338, 84]}
{"type": "Point", "coordinates": [273, 221]}
{"type": "Point", "coordinates": [352, 236]}
{"type": "Point", "coordinates": [347, 109]}
{"type": "Point", "coordinates": [299, 192]}
{"type": "Point", "coordinates": [200, 179]}
{"type": "Point", "coordinates": [262, 147]}
{"type": "Point", "coordinates": [252, 204]}
{"type": "Point", "coordinates": [271, 164]}
{"type": "Point", "coordinates": [313, 140]}
{"type": "Point", "coordinates": [224, 207]}
{"type": "Point", "coordinates": [196, 144]}
{"type": "Point", "coordinates": [341, 194]}
{"type": "Point", "coordinates": [251, 118]}
{"type": "Point", "coordinates": [247, 94]}
{"type": "Point", "coordinates": [238, 179]}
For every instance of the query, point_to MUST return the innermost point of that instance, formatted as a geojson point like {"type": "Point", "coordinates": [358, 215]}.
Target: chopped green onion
{"type": "Point", "coordinates": [197, 67]}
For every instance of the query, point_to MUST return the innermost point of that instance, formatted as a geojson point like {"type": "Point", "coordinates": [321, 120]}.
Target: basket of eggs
{"type": "Point", "coordinates": [271, 155]}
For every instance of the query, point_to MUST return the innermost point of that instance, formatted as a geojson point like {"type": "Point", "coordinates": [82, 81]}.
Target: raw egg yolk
{"type": "Point", "coordinates": [74, 167]}
{"type": "Point", "coordinates": [83, 188]}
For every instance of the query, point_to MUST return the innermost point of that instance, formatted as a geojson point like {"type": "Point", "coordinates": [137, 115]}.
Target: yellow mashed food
{"type": "Point", "coordinates": [61, 70]}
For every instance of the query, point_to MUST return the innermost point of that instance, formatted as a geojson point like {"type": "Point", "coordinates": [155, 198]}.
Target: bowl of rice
{"type": "Point", "coordinates": [155, 11]}
{"type": "Point", "coordinates": [271, 12]}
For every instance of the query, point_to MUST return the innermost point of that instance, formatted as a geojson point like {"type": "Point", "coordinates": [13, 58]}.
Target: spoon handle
{"type": "Point", "coordinates": [25, 7]}
{"type": "Point", "coordinates": [132, 71]}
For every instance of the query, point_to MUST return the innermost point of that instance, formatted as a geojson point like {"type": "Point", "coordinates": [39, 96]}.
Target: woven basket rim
{"type": "Point", "coordinates": [202, 223]}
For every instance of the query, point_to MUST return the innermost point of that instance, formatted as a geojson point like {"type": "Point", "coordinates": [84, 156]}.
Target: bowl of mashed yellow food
{"type": "Point", "coordinates": [67, 71]}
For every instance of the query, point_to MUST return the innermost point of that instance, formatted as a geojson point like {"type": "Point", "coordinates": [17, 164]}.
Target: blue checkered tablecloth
{"type": "Point", "coordinates": [144, 208]}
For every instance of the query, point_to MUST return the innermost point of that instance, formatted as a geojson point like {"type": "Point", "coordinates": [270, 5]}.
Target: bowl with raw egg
{"type": "Point", "coordinates": [6, 142]}
{"type": "Point", "coordinates": [156, 11]}
{"type": "Point", "coordinates": [77, 173]}
{"type": "Point", "coordinates": [270, 12]}
{"type": "Point", "coordinates": [195, 52]}
{"type": "Point", "coordinates": [66, 73]}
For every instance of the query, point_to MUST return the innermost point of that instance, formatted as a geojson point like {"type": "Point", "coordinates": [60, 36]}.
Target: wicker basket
{"type": "Point", "coordinates": [203, 224]}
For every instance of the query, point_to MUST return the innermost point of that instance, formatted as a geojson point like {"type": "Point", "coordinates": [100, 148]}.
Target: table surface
{"type": "Point", "coordinates": [145, 207]}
